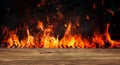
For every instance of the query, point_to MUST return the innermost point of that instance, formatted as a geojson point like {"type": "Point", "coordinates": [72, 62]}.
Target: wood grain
{"type": "Point", "coordinates": [59, 56]}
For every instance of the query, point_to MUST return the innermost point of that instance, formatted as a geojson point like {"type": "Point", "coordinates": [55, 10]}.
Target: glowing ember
{"type": "Point", "coordinates": [110, 11]}
{"type": "Point", "coordinates": [87, 17]}
{"type": "Point", "coordinates": [94, 5]}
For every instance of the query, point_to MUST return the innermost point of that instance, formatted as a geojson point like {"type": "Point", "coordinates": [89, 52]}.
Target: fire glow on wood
{"type": "Point", "coordinates": [59, 29]}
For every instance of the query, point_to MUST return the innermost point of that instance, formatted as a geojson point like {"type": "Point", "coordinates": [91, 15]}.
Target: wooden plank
{"type": "Point", "coordinates": [59, 56]}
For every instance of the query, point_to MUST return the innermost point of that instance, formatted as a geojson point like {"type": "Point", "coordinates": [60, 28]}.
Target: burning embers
{"type": "Point", "coordinates": [45, 38]}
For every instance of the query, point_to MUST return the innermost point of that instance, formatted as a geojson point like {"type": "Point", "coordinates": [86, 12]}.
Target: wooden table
{"type": "Point", "coordinates": [59, 56]}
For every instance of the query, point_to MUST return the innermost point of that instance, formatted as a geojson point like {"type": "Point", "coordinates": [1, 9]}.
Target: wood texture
{"type": "Point", "coordinates": [59, 56]}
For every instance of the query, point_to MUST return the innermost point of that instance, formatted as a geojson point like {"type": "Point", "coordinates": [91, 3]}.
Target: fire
{"type": "Point", "coordinates": [59, 24]}
{"type": "Point", "coordinates": [40, 25]}
{"type": "Point", "coordinates": [69, 40]}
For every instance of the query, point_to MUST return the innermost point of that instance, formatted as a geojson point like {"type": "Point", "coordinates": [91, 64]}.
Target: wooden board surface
{"type": "Point", "coordinates": [59, 56]}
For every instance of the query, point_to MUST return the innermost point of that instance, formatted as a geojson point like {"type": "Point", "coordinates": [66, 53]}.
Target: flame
{"type": "Point", "coordinates": [45, 36]}
{"type": "Point", "coordinates": [40, 25]}
{"type": "Point", "coordinates": [69, 40]}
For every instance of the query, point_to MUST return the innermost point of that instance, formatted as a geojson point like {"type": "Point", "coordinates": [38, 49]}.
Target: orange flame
{"type": "Point", "coordinates": [40, 25]}
{"type": "Point", "coordinates": [69, 40]}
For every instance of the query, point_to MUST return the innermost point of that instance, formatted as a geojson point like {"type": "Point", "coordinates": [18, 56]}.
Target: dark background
{"type": "Point", "coordinates": [17, 12]}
